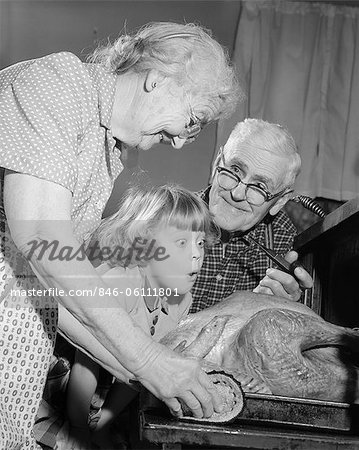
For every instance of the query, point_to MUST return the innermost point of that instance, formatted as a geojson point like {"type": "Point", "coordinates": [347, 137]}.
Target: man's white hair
{"type": "Point", "coordinates": [270, 137]}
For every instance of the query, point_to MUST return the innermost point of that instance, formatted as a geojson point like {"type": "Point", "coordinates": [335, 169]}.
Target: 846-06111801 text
{"type": "Point", "coordinates": [144, 292]}
{"type": "Point", "coordinates": [100, 292]}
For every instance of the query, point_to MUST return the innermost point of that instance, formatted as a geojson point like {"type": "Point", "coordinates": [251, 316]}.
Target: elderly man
{"type": "Point", "coordinates": [252, 180]}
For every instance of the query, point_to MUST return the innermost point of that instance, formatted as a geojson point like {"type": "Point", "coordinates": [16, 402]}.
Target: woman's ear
{"type": "Point", "coordinates": [153, 80]}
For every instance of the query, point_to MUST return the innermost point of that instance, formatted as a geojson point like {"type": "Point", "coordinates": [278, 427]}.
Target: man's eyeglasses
{"type": "Point", "coordinates": [255, 195]}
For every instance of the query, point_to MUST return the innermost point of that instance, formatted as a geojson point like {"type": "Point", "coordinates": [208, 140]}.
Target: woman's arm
{"type": "Point", "coordinates": [83, 340]}
{"type": "Point", "coordinates": [39, 210]}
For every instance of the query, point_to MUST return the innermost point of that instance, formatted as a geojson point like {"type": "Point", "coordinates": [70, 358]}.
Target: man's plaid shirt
{"type": "Point", "coordinates": [236, 266]}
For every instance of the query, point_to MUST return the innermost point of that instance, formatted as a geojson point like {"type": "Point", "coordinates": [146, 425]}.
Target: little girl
{"type": "Point", "coordinates": [154, 248]}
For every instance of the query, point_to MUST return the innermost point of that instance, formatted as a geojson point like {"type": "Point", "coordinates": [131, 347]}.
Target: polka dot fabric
{"type": "Point", "coordinates": [55, 117]}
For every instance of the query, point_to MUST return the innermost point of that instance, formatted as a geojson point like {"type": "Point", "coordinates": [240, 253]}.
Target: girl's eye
{"type": "Point", "coordinates": [201, 243]}
{"type": "Point", "coordinates": [181, 242]}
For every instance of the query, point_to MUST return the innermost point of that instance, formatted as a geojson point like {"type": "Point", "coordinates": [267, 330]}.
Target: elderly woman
{"type": "Point", "coordinates": [64, 126]}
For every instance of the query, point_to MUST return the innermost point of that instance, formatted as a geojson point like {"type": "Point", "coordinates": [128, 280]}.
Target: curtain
{"type": "Point", "coordinates": [300, 65]}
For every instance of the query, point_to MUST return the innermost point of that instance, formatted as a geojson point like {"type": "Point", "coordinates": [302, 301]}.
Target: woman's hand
{"type": "Point", "coordinates": [283, 284]}
{"type": "Point", "coordinates": [175, 379]}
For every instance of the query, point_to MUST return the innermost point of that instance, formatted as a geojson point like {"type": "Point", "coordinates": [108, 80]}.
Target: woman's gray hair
{"type": "Point", "coordinates": [185, 52]}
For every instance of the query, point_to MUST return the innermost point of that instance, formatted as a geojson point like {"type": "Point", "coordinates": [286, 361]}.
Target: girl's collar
{"type": "Point", "coordinates": [159, 302]}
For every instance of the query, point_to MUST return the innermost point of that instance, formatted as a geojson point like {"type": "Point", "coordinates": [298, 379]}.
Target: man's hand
{"type": "Point", "coordinates": [283, 284]}
{"type": "Point", "coordinates": [175, 380]}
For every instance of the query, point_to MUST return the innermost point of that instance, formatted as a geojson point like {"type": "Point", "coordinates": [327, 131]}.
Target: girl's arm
{"type": "Point", "coordinates": [80, 390]}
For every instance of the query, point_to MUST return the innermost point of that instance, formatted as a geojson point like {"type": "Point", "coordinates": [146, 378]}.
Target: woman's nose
{"type": "Point", "coordinates": [177, 142]}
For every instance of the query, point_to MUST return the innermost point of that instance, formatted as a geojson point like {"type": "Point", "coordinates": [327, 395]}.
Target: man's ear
{"type": "Point", "coordinates": [153, 79]}
{"type": "Point", "coordinates": [279, 204]}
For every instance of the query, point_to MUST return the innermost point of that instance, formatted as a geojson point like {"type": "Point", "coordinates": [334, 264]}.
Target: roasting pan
{"type": "Point", "coordinates": [299, 412]}
{"type": "Point", "coordinates": [273, 410]}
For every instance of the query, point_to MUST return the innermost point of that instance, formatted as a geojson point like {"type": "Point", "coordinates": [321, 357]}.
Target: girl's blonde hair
{"type": "Point", "coordinates": [185, 52]}
{"type": "Point", "coordinates": [143, 212]}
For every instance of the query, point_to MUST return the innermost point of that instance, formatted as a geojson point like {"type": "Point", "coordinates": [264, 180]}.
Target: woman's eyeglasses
{"type": "Point", "coordinates": [192, 130]}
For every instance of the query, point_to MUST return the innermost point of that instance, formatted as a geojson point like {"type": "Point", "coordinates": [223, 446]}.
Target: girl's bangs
{"type": "Point", "coordinates": [189, 216]}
